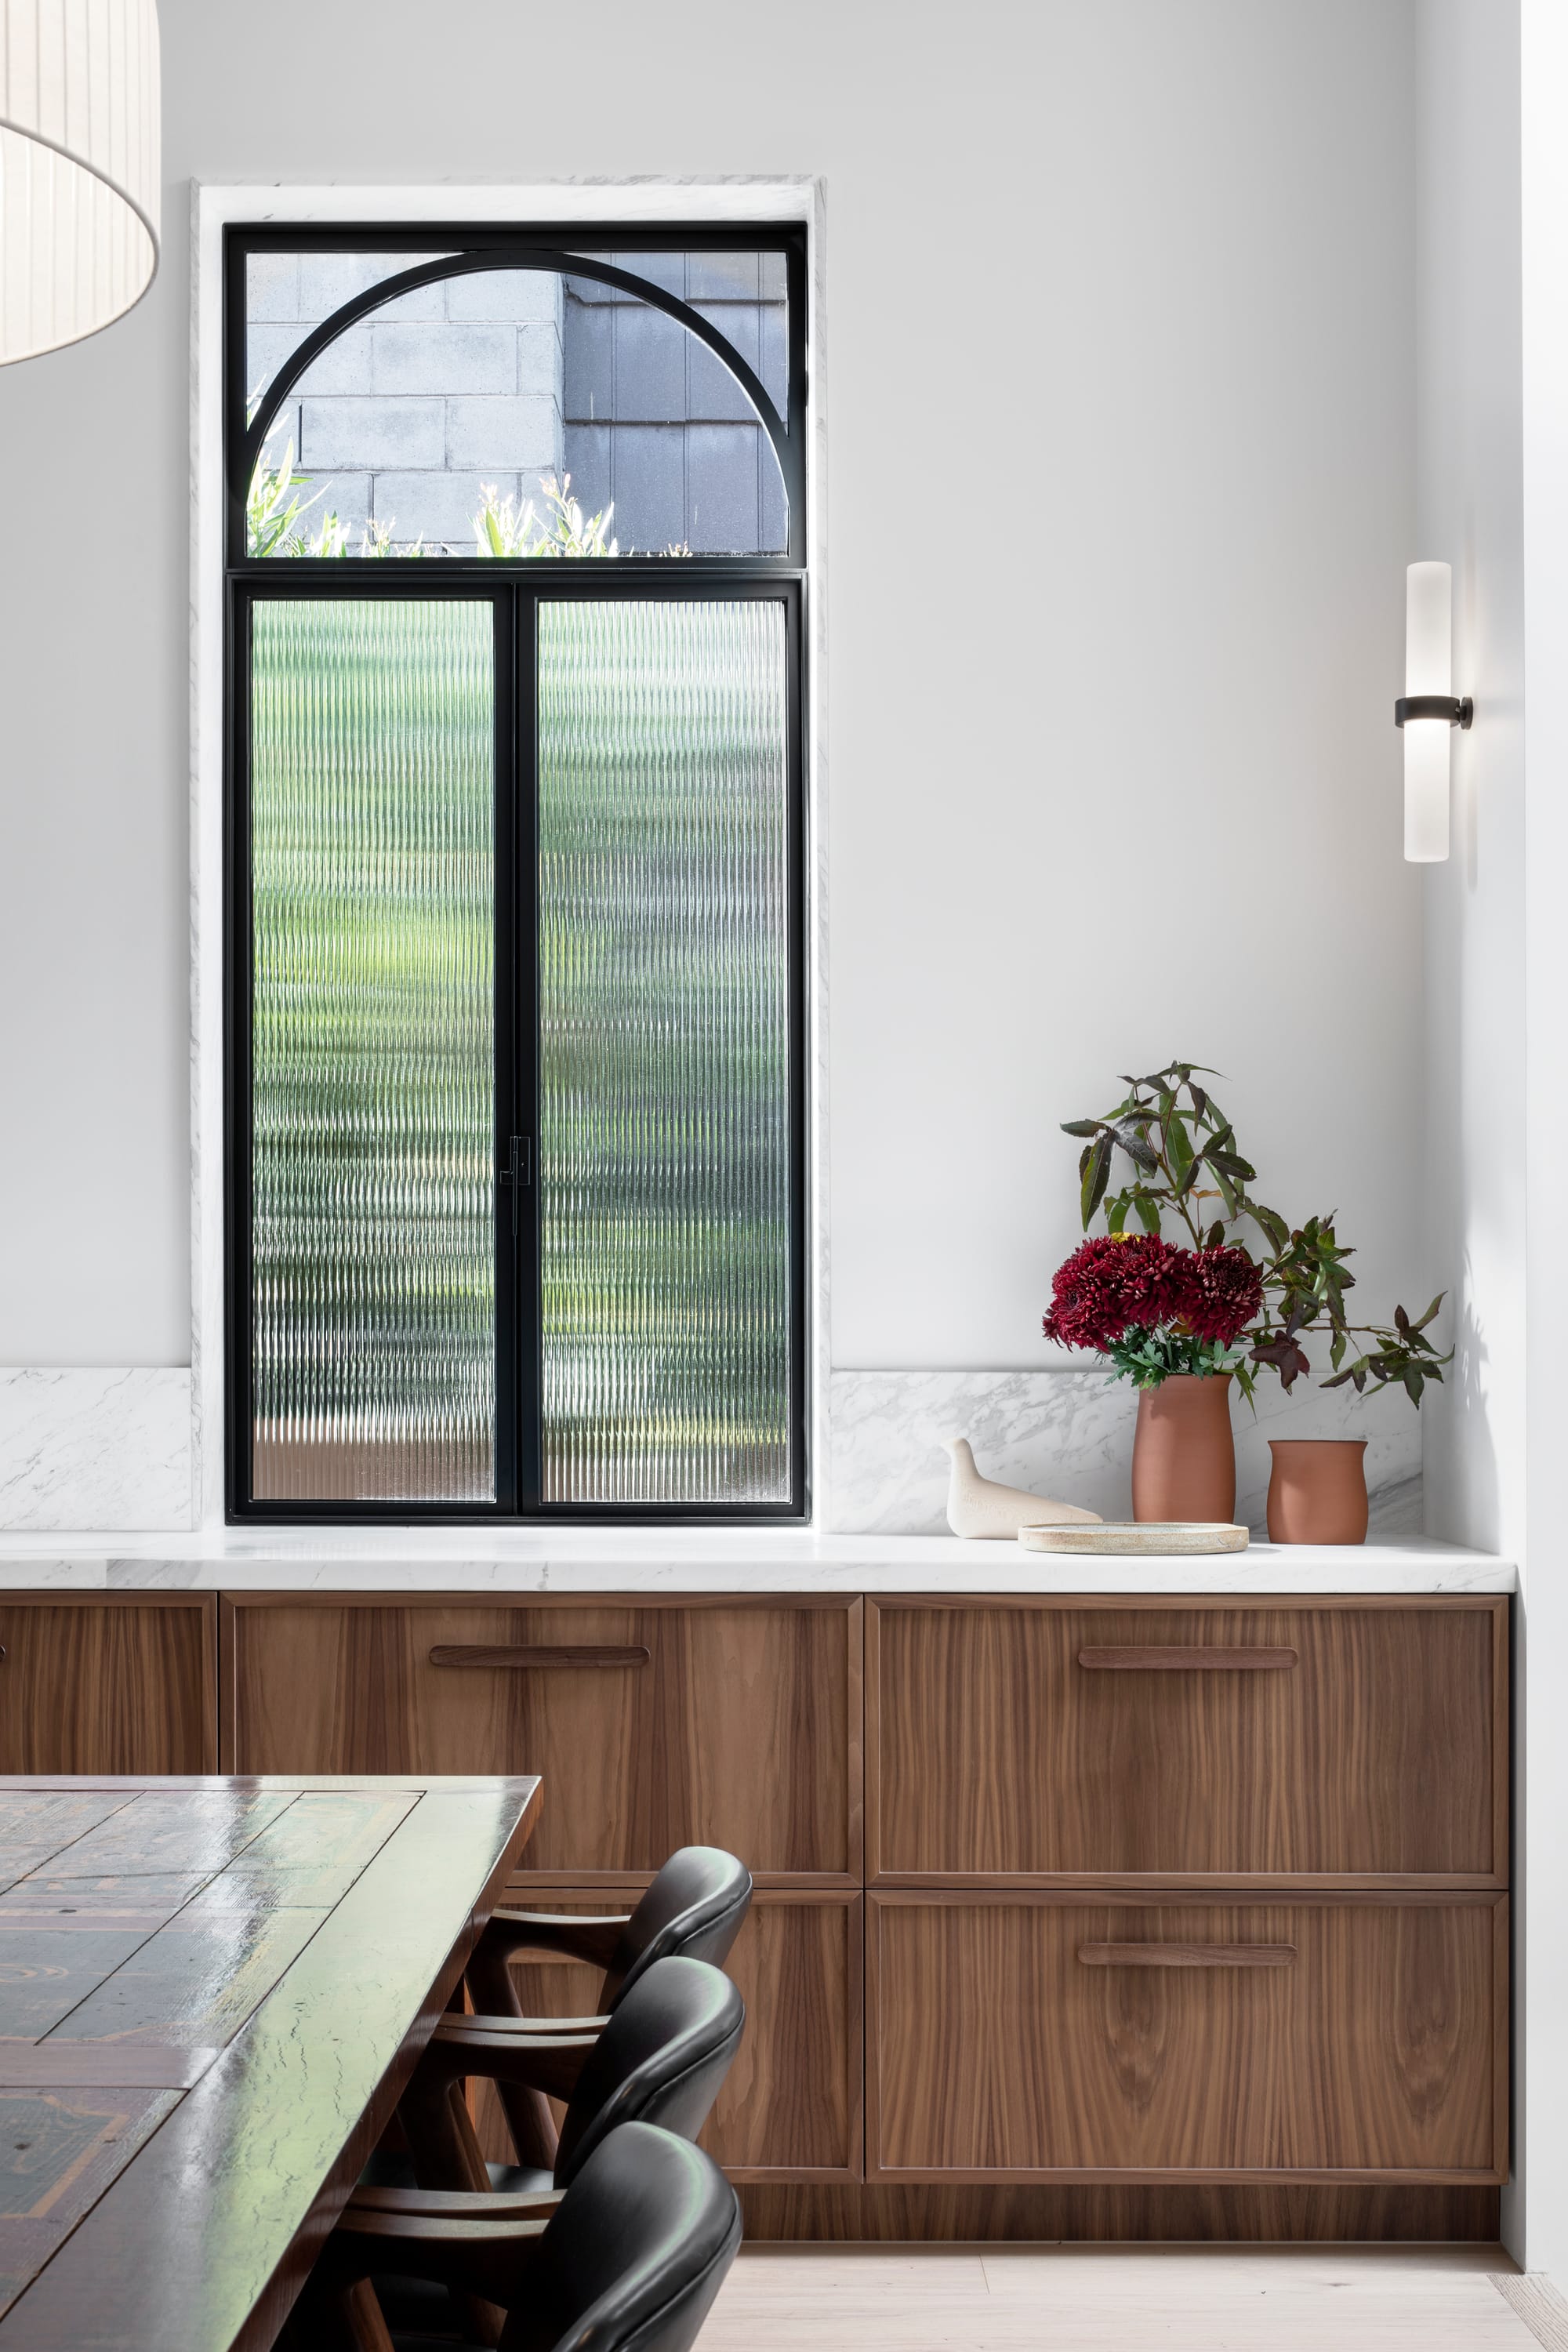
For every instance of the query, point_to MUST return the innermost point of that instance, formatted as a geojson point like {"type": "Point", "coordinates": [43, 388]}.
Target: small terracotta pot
{"type": "Point", "coordinates": [1184, 1456]}
{"type": "Point", "coordinates": [1317, 1490]}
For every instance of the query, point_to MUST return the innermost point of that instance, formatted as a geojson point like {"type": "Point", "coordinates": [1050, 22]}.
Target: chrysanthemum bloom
{"type": "Point", "coordinates": [1111, 1283]}
{"type": "Point", "coordinates": [1215, 1292]}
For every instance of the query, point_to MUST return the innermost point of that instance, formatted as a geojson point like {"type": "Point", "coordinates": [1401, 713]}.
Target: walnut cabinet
{"type": "Point", "coordinates": [1206, 1892]}
{"type": "Point", "coordinates": [734, 1722]}
{"type": "Point", "coordinates": [1074, 1915]}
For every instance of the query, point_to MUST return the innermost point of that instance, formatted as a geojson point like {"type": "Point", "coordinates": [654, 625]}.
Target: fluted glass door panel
{"type": "Point", "coordinates": [372, 1051]}
{"type": "Point", "coordinates": [665, 1113]}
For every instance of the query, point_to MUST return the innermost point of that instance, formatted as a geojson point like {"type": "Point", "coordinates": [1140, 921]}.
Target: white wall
{"type": "Point", "coordinates": [1544, 1596]}
{"type": "Point", "coordinates": [1470, 513]}
{"type": "Point", "coordinates": [1118, 781]}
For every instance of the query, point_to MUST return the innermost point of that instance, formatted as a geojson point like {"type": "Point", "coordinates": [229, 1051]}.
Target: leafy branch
{"type": "Point", "coordinates": [1181, 1152]}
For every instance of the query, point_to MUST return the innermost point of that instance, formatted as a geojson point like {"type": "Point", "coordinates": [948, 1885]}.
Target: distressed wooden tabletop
{"type": "Point", "coordinates": [212, 1993]}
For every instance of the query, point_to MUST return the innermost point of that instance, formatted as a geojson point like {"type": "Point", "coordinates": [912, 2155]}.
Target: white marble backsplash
{"type": "Point", "coordinates": [85, 1446]}
{"type": "Point", "coordinates": [1069, 1434]}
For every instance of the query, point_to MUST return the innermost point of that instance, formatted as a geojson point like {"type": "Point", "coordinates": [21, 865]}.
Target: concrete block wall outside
{"type": "Point", "coordinates": [442, 507]}
{"type": "Point", "coordinates": [443, 357]}
{"type": "Point", "coordinates": [365, 426]}
{"type": "Point", "coordinates": [372, 430]}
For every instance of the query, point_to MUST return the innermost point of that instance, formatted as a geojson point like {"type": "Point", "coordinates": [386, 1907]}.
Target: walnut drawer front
{"type": "Point", "coordinates": [1019, 2036]}
{"type": "Point", "coordinates": [1078, 1739]}
{"type": "Point", "coordinates": [653, 1726]}
{"type": "Point", "coordinates": [790, 2107]}
{"type": "Point", "coordinates": [108, 1686]}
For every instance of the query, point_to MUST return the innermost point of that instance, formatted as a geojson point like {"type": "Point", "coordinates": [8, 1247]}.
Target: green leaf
{"type": "Point", "coordinates": [1137, 1150]}
{"type": "Point", "coordinates": [1148, 1213]}
{"type": "Point", "coordinates": [1096, 1175]}
{"type": "Point", "coordinates": [1270, 1224]}
{"type": "Point", "coordinates": [1081, 1126]}
{"type": "Point", "coordinates": [1116, 1213]}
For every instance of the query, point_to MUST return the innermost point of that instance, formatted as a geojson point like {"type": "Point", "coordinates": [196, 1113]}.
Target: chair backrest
{"type": "Point", "coordinates": [660, 2060]}
{"type": "Point", "coordinates": [693, 1911]}
{"type": "Point", "coordinates": [635, 2252]}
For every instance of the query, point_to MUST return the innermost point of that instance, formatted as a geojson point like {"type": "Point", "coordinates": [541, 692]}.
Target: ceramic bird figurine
{"type": "Point", "coordinates": [979, 1507]}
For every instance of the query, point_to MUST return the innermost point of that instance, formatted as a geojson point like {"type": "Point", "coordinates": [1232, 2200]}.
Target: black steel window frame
{"type": "Point", "coordinates": [514, 590]}
{"type": "Point", "coordinates": [552, 248]}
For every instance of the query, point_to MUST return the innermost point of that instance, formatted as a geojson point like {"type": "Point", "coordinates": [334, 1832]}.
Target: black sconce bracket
{"type": "Point", "coordinates": [1459, 711]}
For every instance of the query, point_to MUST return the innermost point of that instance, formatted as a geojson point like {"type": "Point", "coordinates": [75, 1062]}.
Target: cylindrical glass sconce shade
{"type": "Point", "coordinates": [1428, 669]}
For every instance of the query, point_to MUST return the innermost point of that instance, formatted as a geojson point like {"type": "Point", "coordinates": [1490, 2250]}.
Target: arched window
{"type": "Point", "coordinates": [516, 539]}
{"type": "Point", "coordinates": [399, 404]}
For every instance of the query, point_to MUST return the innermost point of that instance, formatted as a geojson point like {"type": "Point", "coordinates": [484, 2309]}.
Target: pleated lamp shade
{"type": "Point", "coordinates": [78, 167]}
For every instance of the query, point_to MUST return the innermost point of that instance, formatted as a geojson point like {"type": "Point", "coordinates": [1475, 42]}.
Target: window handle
{"type": "Point", "coordinates": [519, 1172]}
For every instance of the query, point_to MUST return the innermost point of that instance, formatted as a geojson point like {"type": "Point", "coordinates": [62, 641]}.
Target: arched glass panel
{"type": "Point", "coordinates": [517, 412]}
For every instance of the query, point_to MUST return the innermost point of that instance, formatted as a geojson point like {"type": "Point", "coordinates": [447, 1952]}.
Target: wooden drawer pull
{"type": "Point", "coordinates": [1168, 1659]}
{"type": "Point", "coordinates": [522, 1658]}
{"type": "Point", "coordinates": [1187, 1956]}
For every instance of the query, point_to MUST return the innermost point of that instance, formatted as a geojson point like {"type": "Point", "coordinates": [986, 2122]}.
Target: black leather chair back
{"type": "Point", "coordinates": [693, 1911]}
{"type": "Point", "coordinates": [660, 2060]}
{"type": "Point", "coordinates": [634, 2255]}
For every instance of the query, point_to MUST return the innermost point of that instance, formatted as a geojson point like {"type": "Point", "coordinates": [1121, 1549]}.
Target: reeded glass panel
{"type": "Point", "coordinates": [664, 1118]}
{"type": "Point", "coordinates": [373, 791]}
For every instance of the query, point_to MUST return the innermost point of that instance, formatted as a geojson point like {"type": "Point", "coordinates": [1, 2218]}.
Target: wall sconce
{"type": "Point", "coordinates": [1428, 709]}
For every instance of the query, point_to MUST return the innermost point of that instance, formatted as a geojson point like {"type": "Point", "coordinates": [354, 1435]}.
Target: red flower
{"type": "Point", "coordinates": [1111, 1283]}
{"type": "Point", "coordinates": [1215, 1292]}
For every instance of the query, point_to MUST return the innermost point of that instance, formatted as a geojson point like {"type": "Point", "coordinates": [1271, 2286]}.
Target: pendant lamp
{"type": "Point", "coordinates": [78, 167]}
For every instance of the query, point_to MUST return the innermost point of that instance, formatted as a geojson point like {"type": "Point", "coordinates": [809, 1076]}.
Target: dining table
{"type": "Point", "coordinates": [212, 1992]}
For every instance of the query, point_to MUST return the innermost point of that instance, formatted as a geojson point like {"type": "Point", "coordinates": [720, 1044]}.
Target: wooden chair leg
{"type": "Point", "coordinates": [447, 2155]}
{"type": "Point", "coordinates": [492, 1988]}
{"type": "Point", "coordinates": [441, 2135]}
{"type": "Point", "coordinates": [332, 2317]}
{"type": "Point", "coordinates": [531, 2123]}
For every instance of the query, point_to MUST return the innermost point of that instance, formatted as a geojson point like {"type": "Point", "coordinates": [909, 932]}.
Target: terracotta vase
{"type": "Point", "coordinates": [1317, 1490]}
{"type": "Point", "coordinates": [1184, 1456]}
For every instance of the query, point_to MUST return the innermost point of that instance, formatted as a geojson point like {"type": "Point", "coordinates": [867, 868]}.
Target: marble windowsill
{"type": "Point", "coordinates": [703, 1559]}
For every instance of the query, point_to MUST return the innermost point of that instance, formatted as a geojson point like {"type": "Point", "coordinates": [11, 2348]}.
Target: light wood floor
{"type": "Point", "coordinates": [1096, 2298]}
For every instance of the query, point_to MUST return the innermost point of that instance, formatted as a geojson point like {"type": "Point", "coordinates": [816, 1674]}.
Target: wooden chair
{"type": "Point", "coordinates": [693, 1910]}
{"type": "Point", "coordinates": [661, 2058]}
{"type": "Point", "coordinates": [634, 2255]}
{"type": "Point", "coordinates": [661, 2055]}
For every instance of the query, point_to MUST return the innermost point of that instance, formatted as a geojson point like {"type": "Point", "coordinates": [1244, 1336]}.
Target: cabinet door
{"type": "Point", "coordinates": [1013, 2036]}
{"type": "Point", "coordinates": [1103, 1741]}
{"type": "Point", "coordinates": [729, 1724]}
{"type": "Point", "coordinates": [108, 1685]}
{"type": "Point", "coordinates": [790, 2107]}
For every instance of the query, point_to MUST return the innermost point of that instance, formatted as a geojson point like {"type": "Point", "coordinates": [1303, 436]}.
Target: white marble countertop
{"type": "Point", "coordinates": [700, 1559]}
